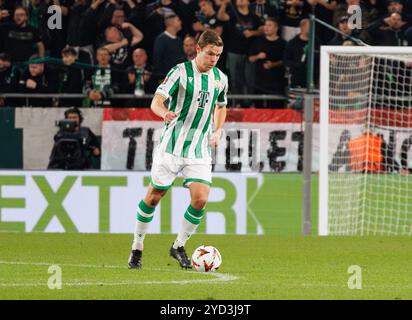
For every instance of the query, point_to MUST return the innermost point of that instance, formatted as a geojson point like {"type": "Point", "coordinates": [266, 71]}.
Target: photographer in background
{"type": "Point", "coordinates": [74, 145]}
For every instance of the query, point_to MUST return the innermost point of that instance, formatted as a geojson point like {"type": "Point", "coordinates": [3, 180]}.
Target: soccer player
{"type": "Point", "coordinates": [197, 91]}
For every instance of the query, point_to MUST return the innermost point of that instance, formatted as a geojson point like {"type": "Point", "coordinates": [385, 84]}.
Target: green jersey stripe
{"type": "Point", "coordinates": [174, 91]}
{"type": "Point", "coordinates": [173, 94]}
{"type": "Point", "coordinates": [171, 71]}
{"type": "Point", "coordinates": [185, 109]}
{"type": "Point", "coordinates": [198, 116]}
{"type": "Point", "coordinates": [198, 149]}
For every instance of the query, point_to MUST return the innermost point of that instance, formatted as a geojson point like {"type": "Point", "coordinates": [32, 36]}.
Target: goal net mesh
{"type": "Point", "coordinates": [370, 138]}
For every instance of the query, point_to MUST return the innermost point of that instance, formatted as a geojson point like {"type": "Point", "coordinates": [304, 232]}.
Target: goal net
{"type": "Point", "coordinates": [365, 187]}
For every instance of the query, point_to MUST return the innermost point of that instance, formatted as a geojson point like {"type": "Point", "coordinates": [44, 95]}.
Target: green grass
{"type": "Point", "coordinates": [266, 267]}
{"type": "Point", "coordinates": [281, 264]}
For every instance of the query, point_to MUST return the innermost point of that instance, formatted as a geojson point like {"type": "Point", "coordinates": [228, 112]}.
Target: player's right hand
{"type": "Point", "coordinates": [169, 116]}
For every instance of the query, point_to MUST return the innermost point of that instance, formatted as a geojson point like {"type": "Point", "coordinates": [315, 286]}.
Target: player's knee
{"type": "Point", "coordinates": [199, 202]}
{"type": "Point", "coordinates": [154, 197]}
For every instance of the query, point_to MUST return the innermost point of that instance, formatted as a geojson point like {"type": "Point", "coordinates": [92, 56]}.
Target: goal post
{"type": "Point", "coordinates": [365, 135]}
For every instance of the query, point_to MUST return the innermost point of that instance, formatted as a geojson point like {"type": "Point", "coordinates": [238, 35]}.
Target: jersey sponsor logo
{"type": "Point", "coordinates": [203, 99]}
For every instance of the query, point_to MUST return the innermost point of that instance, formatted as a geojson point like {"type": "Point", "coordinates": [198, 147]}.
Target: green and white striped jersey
{"type": "Point", "coordinates": [193, 96]}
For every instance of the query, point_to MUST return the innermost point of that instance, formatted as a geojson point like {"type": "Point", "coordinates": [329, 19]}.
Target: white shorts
{"type": "Point", "coordinates": [166, 167]}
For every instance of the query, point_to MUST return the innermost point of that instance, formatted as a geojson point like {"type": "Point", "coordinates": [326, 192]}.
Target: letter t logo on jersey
{"type": "Point", "coordinates": [203, 99]}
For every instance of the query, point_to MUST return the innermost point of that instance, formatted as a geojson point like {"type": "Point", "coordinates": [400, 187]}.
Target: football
{"type": "Point", "coordinates": [206, 258]}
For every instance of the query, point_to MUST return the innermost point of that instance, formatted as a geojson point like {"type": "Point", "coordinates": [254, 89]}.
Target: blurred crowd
{"type": "Point", "coordinates": [103, 47]}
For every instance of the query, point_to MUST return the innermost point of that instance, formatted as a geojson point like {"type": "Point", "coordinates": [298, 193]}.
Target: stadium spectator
{"type": "Point", "coordinates": [394, 6]}
{"type": "Point", "coordinates": [103, 83]}
{"type": "Point", "coordinates": [35, 80]}
{"type": "Point", "coordinates": [242, 26]}
{"type": "Point", "coordinates": [58, 35]}
{"type": "Point", "coordinates": [89, 21]}
{"type": "Point", "coordinates": [264, 10]}
{"type": "Point", "coordinates": [74, 146]}
{"type": "Point", "coordinates": [74, 30]}
{"type": "Point", "coordinates": [343, 26]}
{"type": "Point", "coordinates": [41, 18]}
{"type": "Point", "coordinates": [70, 77]}
{"type": "Point", "coordinates": [154, 23]}
{"type": "Point", "coordinates": [37, 11]}
{"type": "Point", "coordinates": [138, 79]}
{"type": "Point", "coordinates": [6, 11]}
{"type": "Point", "coordinates": [295, 56]}
{"type": "Point", "coordinates": [323, 10]}
{"type": "Point", "coordinates": [206, 18]}
{"type": "Point", "coordinates": [269, 51]}
{"type": "Point", "coordinates": [291, 13]}
{"type": "Point", "coordinates": [119, 46]}
{"type": "Point", "coordinates": [19, 38]}
{"type": "Point", "coordinates": [189, 47]}
{"type": "Point", "coordinates": [389, 31]}
{"type": "Point", "coordinates": [127, 30]}
{"type": "Point", "coordinates": [168, 47]}
{"type": "Point", "coordinates": [187, 11]}
{"type": "Point", "coordinates": [8, 80]}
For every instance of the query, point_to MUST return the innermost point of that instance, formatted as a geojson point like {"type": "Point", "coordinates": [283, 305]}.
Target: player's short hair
{"type": "Point", "coordinates": [209, 37]}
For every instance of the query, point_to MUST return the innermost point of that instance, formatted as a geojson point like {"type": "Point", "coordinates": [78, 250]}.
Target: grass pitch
{"type": "Point", "coordinates": [254, 267]}
{"type": "Point", "coordinates": [281, 264]}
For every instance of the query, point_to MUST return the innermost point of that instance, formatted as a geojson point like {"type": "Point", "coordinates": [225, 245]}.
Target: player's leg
{"type": "Point", "coordinates": [145, 214]}
{"type": "Point", "coordinates": [199, 193]}
{"type": "Point", "coordinates": [198, 180]}
{"type": "Point", "coordinates": [162, 177]}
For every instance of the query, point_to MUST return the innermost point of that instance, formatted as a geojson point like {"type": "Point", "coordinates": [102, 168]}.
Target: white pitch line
{"type": "Point", "coordinates": [217, 277]}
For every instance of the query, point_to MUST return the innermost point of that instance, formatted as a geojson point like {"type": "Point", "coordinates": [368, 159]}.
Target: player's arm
{"type": "Point", "coordinates": [219, 117]}
{"type": "Point", "coordinates": [159, 108]}
{"type": "Point", "coordinates": [219, 120]}
{"type": "Point", "coordinates": [166, 90]}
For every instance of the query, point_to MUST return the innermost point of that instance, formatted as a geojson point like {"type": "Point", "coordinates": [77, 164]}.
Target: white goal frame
{"type": "Point", "coordinates": [323, 225]}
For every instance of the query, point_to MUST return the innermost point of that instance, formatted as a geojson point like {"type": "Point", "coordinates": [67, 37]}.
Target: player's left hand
{"type": "Point", "coordinates": [215, 139]}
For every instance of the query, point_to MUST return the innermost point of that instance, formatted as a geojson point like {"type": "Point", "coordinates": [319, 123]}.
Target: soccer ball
{"type": "Point", "coordinates": [206, 258]}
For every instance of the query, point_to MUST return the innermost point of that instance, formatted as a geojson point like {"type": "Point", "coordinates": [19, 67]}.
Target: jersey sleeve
{"type": "Point", "coordinates": [170, 84]}
{"type": "Point", "coordinates": [222, 97]}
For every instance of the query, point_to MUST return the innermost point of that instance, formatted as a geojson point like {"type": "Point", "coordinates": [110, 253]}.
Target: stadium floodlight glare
{"type": "Point", "coordinates": [365, 141]}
